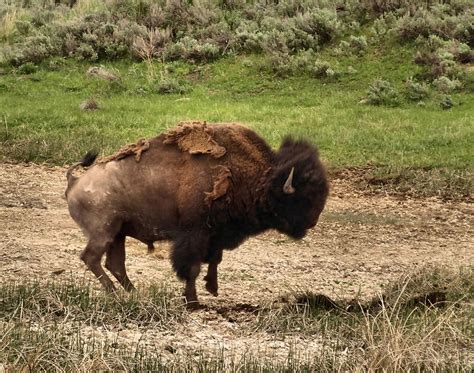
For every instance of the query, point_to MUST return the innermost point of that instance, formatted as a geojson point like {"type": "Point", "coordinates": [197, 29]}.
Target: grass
{"type": "Point", "coordinates": [421, 322]}
{"type": "Point", "coordinates": [407, 148]}
{"type": "Point", "coordinates": [70, 301]}
{"type": "Point", "coordinates": [7, 24]}
{"type": "Point", "coordinates": [41, 120]}
{"type": "Point", "coordinates": [397, 331]}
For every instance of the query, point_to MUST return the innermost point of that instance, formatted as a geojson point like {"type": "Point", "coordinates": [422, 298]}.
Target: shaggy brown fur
{"type": "Point", "coordinates": [136, 149]}
{"type": "Point", "coordinates": [221, 184]}
{"type": "Point", "coordinates": [204, 187]}
{"type": "Point", "coordinates": [195, 138]}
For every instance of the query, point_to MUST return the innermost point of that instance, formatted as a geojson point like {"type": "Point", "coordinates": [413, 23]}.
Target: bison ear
{"type": "Point", "coordinates": [288, 186]}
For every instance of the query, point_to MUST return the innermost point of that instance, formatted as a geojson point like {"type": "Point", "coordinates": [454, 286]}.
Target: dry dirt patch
{"type": "Point", "coordinates": [360, 244]}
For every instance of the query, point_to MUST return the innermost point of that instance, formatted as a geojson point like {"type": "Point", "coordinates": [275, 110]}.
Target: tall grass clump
{"type": "Point", "coordinates": [8, 25]}
{"type": "Point", "coordinates": [420, 322]}
{"type": "Point", "coordinates": [57, 301]}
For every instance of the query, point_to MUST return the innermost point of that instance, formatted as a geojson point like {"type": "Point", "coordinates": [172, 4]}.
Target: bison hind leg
{"type": "Point", "coordinates": [115, 262]}
{"type": "Point", "coordinates": [92, 255]}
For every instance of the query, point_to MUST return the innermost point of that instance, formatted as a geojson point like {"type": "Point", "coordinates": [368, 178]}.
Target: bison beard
{"type": "Point", "coordinates": [204, 187]}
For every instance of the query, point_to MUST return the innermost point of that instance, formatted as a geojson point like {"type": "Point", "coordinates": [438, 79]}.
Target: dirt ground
{"type": "Point", "coordinates": [361, 243]}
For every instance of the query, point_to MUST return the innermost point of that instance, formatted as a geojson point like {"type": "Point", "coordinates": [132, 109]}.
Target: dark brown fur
{"type": "Point", "coordinates": [203, 200]}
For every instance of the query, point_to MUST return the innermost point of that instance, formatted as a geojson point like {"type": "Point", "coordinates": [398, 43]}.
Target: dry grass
{"type": "Point", "coordinates": [148, 48]}
{"type": "Point", "coordinates": [420, 322]}
{"type": "Point", "coordinates": [69, 301]}
{"type": "Point", "coordinates": [7, 24]}
{"type": "Point", "coordinates": [44, 327]}
{"type": "Point", "coordinates": [89, 6]}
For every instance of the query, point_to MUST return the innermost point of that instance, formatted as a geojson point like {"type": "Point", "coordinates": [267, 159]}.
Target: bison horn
{"type": "Point", "coordinates": [288, 187]}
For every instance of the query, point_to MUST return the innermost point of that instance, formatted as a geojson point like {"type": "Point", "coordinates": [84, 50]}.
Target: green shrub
{"type": "Point", "coordinates": [86, 52]}
{"type": "Point", "coordinates": [275, 41]}
{"type": "Point", "coordinates": [415, 91]}
{"type": "Point", "coordinates": [23, 27]}
{"type": "Point", "coordinates": [358, 44]}
{"type": "Point", "coordinates": [322, 69]}
{"type": "Point", "coordinates": [441, 20]}
{"type": "Point", "coordinates": [464, 53]}
{"type": "Point", "coordinates": [446, 103]}
{"type": "Point", "coordinates": [201, 31]}
{"type": "Point", "coordinates": [27, 68]}
{"type": "Point", "coordinates": [35, 49]}
{"type": "Point", "coordinates": [281, 63]}
{"type": "Point", "coordinates": [169, 85]}
{"type": "Point", "coordinates": [381, 92]}
{"type": "Point", "coordinates": [249, 37]}
{"type": "Point", "coordinates": [218, 34]}
{"type": "Point", "coordinates": [355, 45]}
{"type": "Point", "coordinates": [192, 50]}
{"type": "Point", "coordinates": [320, 23]}
{"type": "Point", "coordinates": [442, 57]}
{"type": "Point", "coordinates": [446, 85]}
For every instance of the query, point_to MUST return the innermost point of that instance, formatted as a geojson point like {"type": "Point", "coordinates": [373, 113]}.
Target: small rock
{"type": "Point", "coordinates": [89, 104]}
{"type": "Point", "coordinates": [102, 73]}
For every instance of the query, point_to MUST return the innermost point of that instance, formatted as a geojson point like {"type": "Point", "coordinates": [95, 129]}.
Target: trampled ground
{"type": "Point", "coordinates": [361, 243]}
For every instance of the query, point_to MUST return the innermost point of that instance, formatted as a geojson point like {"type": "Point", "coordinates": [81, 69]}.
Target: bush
{"type": "Point", "coordinates": [201, 31]}
{"type": "Point", "coordinates": [415, 91]}
{"type": "Point", "coordinates": [442, 56]}
{"type": "Point", "coordinates": [249, 37]}
{"type": "Point", "coordinates": [91, 37]}
{"type": "Point", "coordinates": [446, 103]}
{"type": "Point", "coordinates": [219, 34]}
{"type": "Point", "coordinates": [23, 27]}
{"type": "Point", "coordinates": [320, 23]}
{"type": "Point", "coordinates": [86, 52]}
{"type": "Point", "coordinates": [27, 68]}
{"type": "Point", "coordinates": [463, 53]}
{"type": "Point", "coordinates": [355, 45]}
{"type": "Point", "coordinates": [381, 92]}
{"type": "Point", "coordinates": [446, 85]}
{"type": "Point", "coordinates": [281, 63]}
{"type": "Point", "coordinates": [383, 24]}
{"type": "Point", "coordinates": [322, 69]}
{"type": "Point", "coordinates": [191, 50]}
{"type": "Point", "coordinates": [358, 44]}
{"type": "Point", "coordinates": [169, 85]}
{"type": "Point", "coordinates": [441, 20]}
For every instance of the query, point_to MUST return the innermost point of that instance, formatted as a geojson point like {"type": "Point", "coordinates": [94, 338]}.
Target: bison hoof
{"type": "Point", "coordinates": [193, 305]}
{"type": "Point", "coordinates": [212, 288]}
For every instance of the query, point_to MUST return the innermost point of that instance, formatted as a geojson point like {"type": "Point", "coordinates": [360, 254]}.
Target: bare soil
{"type": "Point", "coordinates": [361, 243]}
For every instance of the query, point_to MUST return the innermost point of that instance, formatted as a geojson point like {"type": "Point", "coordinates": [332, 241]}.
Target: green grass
{"type": "Point", "coordinates": [40, 118]}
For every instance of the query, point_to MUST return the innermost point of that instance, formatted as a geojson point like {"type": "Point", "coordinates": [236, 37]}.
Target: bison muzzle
{"type": "Point", "coordinates": [204, 187]}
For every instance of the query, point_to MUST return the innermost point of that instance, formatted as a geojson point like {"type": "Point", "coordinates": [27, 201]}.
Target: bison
{"type": "Point", "coordinates": [204, 187]}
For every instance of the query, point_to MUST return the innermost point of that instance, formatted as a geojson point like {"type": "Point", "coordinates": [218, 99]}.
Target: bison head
{"type": "Point", "coordinates": [297, 188]}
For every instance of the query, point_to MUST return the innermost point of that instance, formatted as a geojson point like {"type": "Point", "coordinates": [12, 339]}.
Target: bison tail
{"type": "Point", "coordinates": [86, 161]}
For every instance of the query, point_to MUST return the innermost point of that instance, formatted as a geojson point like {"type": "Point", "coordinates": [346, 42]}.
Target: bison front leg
{"type": "Point", "coordinates": [186, 257]}
{"type": "Point", "coordinates": [211, 277]}
{"type": "Point", "coordinates": [190, 288]}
